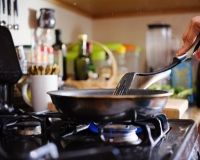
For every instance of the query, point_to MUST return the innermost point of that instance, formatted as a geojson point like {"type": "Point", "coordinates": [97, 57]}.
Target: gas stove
{"type": "Point", "coordinates": [47, 135]}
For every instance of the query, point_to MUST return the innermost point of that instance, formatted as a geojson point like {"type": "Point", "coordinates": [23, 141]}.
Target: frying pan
{"type": "Point", "coordinates": [99, 105]}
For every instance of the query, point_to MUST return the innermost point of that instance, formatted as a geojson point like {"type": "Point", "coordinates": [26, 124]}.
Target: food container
{"type": "Point", "coordinates": [133, 61]}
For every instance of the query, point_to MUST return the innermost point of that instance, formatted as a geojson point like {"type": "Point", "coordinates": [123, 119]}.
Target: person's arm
{"type": "Point", "coordinates": [190, 35]}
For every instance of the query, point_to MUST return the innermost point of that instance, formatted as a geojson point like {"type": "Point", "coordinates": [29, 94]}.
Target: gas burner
{"type": "Point", "coordinates": [26, 125]}
{"type": "Point", "coordinates": [153, 130]}
{"type": "Point", "coordinates": [28, 128]}
{"type": "Point", "coordinates": [121, 133]}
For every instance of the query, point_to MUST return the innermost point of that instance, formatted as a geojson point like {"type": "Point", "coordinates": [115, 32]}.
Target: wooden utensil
{"type": "Point", "coordinates": [41, 69]}
{"type": "Point", "coordinates": [48, 69]}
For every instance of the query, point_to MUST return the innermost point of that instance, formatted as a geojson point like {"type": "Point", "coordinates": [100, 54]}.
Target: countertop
{"type": "Point", "coordinates": [193, 113]}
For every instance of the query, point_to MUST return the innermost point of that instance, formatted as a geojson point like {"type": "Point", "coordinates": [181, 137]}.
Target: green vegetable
{"type": "Point", "coordinates": [179, 91]}
{"type": "Point", "coordinates": [183, 94]}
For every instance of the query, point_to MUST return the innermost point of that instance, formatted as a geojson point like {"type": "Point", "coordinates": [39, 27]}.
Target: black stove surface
{"type": "Point", "coordinates": [180, 142]}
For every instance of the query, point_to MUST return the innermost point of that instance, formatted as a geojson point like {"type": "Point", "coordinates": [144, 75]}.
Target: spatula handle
{"type": "Point", "coordinates": [155, 79]}
{"type": "Point", "coordinates": [191, 51]}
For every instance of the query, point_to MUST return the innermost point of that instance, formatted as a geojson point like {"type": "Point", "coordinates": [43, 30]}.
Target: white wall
{"type": "Point", "coordinates": [133, 29]}
{"type": "Point", "coordinates": [125, 30]}
{"type": "Point", "coordinates": [70, 23]}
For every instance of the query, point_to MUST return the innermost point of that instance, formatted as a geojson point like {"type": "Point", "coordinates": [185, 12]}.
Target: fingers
{"type": "Point", "coordinates": [198, 53]}
{"type": "Point", "coordinates": [186, 32]}
{"type": "Point", "coordinates": [190, 35]}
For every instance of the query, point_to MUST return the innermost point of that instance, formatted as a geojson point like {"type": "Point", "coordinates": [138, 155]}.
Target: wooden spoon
{"type": "Point", "coordinates": [48, 69]}
{"type": "Point", "coordinates": [55, 69]}
{"type": "Point", "coordinates": [41, 69]}
{"type": "Point", "coordinates": [29, 70]}
{"type": "Point", "coordinates": [33, 70]}
{"type": "Point", "coordinates": [36, 70]}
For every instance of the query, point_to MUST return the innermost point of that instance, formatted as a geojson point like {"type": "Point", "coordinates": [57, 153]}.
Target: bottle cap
{"type": "Point", "coordinates": [132, 47]}
{"type": "Point", "coordinates": [57, 31]}
{"type": "Point", "coordinates": [43, 49]}
{"type": "Point", "coordinates": [121, 50]}
{"type": "Point", "coordinates": [83, 36]}
{"type": "Point", "coordinates": [50, 49]}
{"type": "Point", "coordinates": [89, 47]}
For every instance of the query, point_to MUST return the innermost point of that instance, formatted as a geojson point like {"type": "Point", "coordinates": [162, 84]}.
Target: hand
{"type": "Point", "coordinates": [190, 35]}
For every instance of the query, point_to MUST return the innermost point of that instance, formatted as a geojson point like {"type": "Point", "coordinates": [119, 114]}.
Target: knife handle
{"type": "Point", "coordinates": [4, 6]}
{"type": "Point", "coordinates": [16, 8]}
{"type": "Point", "coordinates": [9, 7]}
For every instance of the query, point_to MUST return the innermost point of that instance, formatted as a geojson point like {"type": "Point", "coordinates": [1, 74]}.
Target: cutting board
{"type": "Point", "coordinates": [174, 108]}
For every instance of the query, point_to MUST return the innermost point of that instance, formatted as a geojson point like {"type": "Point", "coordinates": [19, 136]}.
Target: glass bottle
{"type": "Point", "coordinates": [89, 53]}
{"type": "Point", "coordinates": [50, 55]}
{"type": "Point", "coordinates": [60, 51]}
{"type": "Point", "coordinates": [81, 63]}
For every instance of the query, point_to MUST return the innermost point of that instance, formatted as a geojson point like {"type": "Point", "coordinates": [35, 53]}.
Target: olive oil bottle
{"type": "Point", "coordinates": [60, 51]}
{"type": "Point", "coordinates": [81, 63]}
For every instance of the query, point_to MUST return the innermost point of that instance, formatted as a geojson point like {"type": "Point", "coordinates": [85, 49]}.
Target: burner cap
{"type": "Point", "coordinates": [121, 128]}
{"type": "Point", "coordinates": [28, 124]}
{"type": "Point", "coordinates": [29, 128]}
{"type": "Point", "coordinates": [121, 133]}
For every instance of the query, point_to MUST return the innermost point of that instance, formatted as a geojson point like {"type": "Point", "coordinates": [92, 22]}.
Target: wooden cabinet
{"type": "Point", "coordinates": [118, 8]}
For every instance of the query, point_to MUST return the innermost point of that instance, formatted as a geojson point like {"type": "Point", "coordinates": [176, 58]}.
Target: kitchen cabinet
{"type": "Point", "coordinates": [117, 8]}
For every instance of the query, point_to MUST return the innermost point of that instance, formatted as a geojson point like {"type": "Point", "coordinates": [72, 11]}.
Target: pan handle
{"type": "Point", "coordinates": [155, 78]}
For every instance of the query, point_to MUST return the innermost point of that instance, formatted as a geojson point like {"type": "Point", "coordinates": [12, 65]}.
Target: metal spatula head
{"type": "Point", "coordinates": [124, 83]}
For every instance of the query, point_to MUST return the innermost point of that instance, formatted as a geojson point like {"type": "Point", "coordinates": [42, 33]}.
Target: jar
{"type": "Point", "coordinates": [46, 19]}
{"type": "Point", "coordinates": [121, 62]}
{"type": "Point", "coordinates": [133, 60]}
{"type": "Point", "coordinates": [98, 59]}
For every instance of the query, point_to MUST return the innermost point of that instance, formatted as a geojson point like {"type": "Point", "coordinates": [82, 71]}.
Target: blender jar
{"type": "Point", "coordinates": [158, 48]}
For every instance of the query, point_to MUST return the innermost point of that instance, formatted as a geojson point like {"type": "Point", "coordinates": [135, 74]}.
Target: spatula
{"type": "Point", "coordinates": [126, 81]}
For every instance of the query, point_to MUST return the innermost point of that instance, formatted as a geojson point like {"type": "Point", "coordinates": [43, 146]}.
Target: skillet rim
{"type": "Point", "coordinates": [58, 94]}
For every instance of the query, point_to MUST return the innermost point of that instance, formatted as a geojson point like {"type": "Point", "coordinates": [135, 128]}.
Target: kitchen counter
{"type": "Point", "coordinates": [193, 113]}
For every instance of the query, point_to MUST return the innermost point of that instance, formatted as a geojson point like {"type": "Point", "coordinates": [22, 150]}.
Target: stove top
{"type": "Point", "coordinates": [48, 136]}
